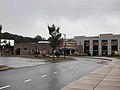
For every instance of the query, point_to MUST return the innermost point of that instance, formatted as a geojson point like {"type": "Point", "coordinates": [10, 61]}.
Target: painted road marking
{"type": "Point", "coordinates": [4, 87]}
{"type": "Point", "coordinates": [43, 76]}
{"type": "Point", "coordinates": [55, 72]}
{"type": "Point", "coordinates": [28, 80]}
{"type": "Point", "coordinates": [63, 69]}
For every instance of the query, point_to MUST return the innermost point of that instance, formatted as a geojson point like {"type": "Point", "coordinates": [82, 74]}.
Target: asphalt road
{"type": "Point", "coordinates": [49, 76]}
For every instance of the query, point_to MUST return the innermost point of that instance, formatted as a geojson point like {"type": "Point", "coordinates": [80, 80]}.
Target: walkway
{"type": "Point", "coordinates": [104, 78]}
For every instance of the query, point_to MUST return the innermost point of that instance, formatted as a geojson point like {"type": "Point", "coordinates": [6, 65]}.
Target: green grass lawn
{"type": "Point", "coordinates": [118, 57]}
{"type": "Point", "coordinates": [50, 59]}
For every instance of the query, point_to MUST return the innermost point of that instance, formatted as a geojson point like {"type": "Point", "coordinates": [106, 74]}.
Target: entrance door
{"type": "Point", "coordinates": [95, 53]}
{"type": "Point", "coordinates": [18, 51]}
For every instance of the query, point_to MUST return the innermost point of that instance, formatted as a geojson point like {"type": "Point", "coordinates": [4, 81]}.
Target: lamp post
{"type": "Point", "coordinates": [0, 33]}
{"type": "Point", "coordinates": [64, 44]}
{"type": "Point", "coordinates": [0, 36]}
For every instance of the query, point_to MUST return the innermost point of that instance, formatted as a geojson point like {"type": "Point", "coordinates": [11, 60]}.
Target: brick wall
{"type": "Point", "coordinates": [27, 48]}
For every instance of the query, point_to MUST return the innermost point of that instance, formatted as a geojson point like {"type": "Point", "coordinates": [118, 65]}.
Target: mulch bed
{"type": "Point", "coordinates": [49, 59]}
{"type": "Point", "coordinates": [3, 67]}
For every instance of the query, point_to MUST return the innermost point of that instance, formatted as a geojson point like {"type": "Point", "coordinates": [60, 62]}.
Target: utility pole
{"type": "Point", "coordinates": [0, 37]}
{"type": "Point", "coordinates": [0, 33]}
{"type": "Point", "coordinates": [64, 44]}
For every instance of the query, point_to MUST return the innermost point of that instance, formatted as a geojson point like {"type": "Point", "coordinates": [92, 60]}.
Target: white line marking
{"type": "Point", "coordinates": [43, 76]}
{"type": "Point", "coordinates": [55, 72]}
{"type": "Point", "coordinates": [28, 80]}
{"type": "Point", "coordinates": [63, 69]}
{"type": "Point", "coordinates": [4, 87]}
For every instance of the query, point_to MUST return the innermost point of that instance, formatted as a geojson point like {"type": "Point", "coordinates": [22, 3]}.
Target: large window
{"type": "Point", "coordinates": [95, 47]}
{"type": "Point", "coordinates": [114, 45]}
{"type": "Point", "coordinates": [86, 46]}
{"type": "Point", "coordinates": [104, 47]}
{"type": "Point", "coordinates": [95, 44]}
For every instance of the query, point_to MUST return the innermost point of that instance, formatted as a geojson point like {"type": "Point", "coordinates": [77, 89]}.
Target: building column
{"type": "Point", "coordinates": [91, 47]}
{"type": "Point", "coordinates": [109, 47]}
{"type": "Point", "coordinates": [99, 48]}
{"type": "Point", "coordinates": [82, 44]}
{"type": "Point", "coordinates": [70, 52]}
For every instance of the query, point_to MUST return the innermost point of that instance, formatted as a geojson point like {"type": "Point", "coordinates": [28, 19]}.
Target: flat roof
{"type": "Point", "coordinates": [45, 42]}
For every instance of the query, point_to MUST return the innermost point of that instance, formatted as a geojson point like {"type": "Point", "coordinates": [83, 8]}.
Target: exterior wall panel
{"type": "Point", "coordinates": [101, 48]}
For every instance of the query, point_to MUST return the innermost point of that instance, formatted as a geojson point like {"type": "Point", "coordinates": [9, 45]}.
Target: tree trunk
{"type": "Point", "coordinates": [53, 54]}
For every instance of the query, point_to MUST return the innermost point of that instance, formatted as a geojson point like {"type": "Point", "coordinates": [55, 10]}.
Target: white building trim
{"type": "Point", "coordinates": [109, 37]}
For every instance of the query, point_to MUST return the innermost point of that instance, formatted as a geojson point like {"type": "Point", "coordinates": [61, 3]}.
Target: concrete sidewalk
{"type": "Point", "coordinates": [104, 78]}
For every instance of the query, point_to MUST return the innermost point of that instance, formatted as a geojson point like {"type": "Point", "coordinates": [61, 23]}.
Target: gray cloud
{"type": "Point", "coordinates": [75, 17]}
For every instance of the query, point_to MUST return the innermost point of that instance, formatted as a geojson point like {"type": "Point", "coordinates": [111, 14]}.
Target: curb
{"type": "Point", "coordinates": [5, 68]}
{"type": "Point", "coordinates": [103, 59]}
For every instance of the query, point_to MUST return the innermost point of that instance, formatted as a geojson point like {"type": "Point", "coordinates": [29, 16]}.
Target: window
{"type": "Point", "coordinates": [25, 48]}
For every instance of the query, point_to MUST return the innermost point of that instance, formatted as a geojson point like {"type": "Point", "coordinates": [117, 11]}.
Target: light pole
{"type": "Point", "coordinates": [64, 44]}
{"type": "Point", "coordinates": [0, 33]}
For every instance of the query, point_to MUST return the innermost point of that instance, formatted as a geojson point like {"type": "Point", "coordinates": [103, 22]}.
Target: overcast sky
{"type": "Point", "coordinates": [74, 17]}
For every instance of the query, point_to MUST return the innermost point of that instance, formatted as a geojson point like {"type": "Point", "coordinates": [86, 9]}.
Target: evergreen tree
{"type": "Point", "coordinates": [21, 39]}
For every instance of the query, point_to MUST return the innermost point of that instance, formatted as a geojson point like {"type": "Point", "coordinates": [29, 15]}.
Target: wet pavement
{"type": "Point", "coordinates": [49, 76]}
{"type": "Point", "coordinates": [103, 78]}
{"type": "Point", "coordinates": [17, 62]}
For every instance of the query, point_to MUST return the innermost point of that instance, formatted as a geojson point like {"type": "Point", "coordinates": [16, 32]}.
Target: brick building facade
{"type": "Point", "coordinates": [30, 48]}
